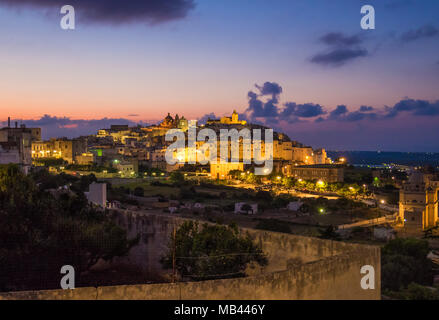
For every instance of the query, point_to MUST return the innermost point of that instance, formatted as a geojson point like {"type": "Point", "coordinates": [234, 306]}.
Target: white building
{"type": "Point", "coordinates": [98, 194]}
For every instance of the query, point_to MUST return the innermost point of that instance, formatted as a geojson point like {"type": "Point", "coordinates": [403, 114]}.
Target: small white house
{"type": "Point", "coordinates": [239, 209]}
{"type": "Point", "coordinates": [97, 194]}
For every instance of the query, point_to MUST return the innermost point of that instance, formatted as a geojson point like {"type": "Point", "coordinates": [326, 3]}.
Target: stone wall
{"type": "Point", "coordinates": [326, 269]}
{"type": "Point", "coordinates": [155, 232]}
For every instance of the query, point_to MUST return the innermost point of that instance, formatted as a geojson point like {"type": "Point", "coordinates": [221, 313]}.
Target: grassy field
{"type": "Point", "coordinates": [151, 191]}
{"type": "Point", "coordinates": [224, 194]}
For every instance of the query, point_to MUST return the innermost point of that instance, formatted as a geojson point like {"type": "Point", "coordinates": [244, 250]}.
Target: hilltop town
{"type": "Point", "coordinates": [125, 149]}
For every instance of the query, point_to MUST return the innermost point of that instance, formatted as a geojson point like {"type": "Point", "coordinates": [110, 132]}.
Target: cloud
{"type": "Point", "coordinates": [116, 11]}
{"type": "Point", "coordinates": [341, 49]}
{"type": "Point", "coordinates": [358, 116]}
{"type": "Point", "coordinates": [268, 109]}
{"type": "Point", "coordinates": [339, 111]}
{"type": "Point", "coordinates": [208, 116]}
{"type": "Point", "coordinates": [414, 107]}
{"type": "Point", "coordinates": [270, 88]}
{"type": "Point", "coordinates": [427, 31]}
{"type": "Point", "coordinates": [338, 57]}
{"type": "Point", "coordinates": [269, 112]}
{"type": "Point", "coordinates": [53, 126]}
{"type": "Point", "coordinates": [307, 110]}
{"type": "Point", "coordinates": [339, 39]}
{"type": "Point", "coordinates": [366, 108]}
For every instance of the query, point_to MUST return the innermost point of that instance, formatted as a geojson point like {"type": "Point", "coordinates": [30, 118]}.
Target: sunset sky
{"type": "Point", "coordinates": [301, 66]}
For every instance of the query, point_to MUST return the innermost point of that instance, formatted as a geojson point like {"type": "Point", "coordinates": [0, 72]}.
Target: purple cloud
{"type": "Point", "coordinates": [116, 11]}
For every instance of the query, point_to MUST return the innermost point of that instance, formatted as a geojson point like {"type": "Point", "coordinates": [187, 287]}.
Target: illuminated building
{"type": "Point", "coordinates": [325, 173]}
{"type": "Point", "coordinates": [418, 202]}
{"type": "Point", "coordinates": [59, 148]}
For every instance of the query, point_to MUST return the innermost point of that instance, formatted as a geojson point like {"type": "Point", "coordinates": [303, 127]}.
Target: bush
{"type": "Point", "coordinates": [40, 232]}
{"type": "Point", "coordinates": [139, 192]}
{"type": "Point", "coordinates": [404, 261]}
{"type": "Point", "coordinates": [211, 252]}
{"type": "Point", "coordinates": [415, 292]}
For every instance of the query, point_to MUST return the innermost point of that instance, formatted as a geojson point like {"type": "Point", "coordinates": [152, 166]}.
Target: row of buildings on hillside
{"type": "Point", "coordinates": [125, 148]}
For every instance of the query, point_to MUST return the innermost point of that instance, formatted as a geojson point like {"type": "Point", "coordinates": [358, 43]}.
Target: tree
{"type": "Point", "coordinates": [139, 192]}
{"type": "Point", "coordinates": [288, 182]}
{"type": "Point", "coordinates": [404, 261]}
{"type": "Point", "coordinates": [176, 177]}
{"type": "Point", "coordinates": [39, 233]}
{"type": "Point", "coordinates": [329, 233]}
{"type": "Point", "coordinates": [264, 196]}
{"type": "Point", "coordinates": [416, 292]}
{"type": "Point", "coordinates": [211, 252]}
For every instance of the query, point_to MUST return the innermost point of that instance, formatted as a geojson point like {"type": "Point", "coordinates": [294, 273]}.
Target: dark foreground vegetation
{"type": "Point", "coordinates": [42, 229]}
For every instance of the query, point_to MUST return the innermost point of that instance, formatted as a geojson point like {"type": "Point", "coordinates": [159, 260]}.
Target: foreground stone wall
{"type": "Point", "coordinates": [298, 268]}
{"type": "Point", "coordinates": [155, 232]}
